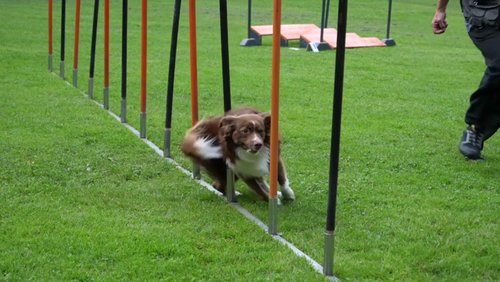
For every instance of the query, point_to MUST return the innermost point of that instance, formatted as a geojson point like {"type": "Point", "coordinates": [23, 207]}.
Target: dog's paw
{"type": "Point", "coordinates": [287, 192]}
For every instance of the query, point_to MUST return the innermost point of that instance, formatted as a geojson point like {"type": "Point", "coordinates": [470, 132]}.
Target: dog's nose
{"type": "Point", "coordinates": [257, 146]}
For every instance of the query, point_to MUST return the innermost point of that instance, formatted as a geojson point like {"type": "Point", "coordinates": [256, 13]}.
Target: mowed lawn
{"type": "Point", "coordinates": [81, 198]}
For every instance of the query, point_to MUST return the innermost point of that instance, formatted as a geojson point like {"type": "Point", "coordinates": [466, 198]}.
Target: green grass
{"type": "Point", "coordinates": [83, 199]}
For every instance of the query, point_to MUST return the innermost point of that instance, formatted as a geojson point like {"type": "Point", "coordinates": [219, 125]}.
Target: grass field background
{"type": "Point", "coordinates": [83, 199]}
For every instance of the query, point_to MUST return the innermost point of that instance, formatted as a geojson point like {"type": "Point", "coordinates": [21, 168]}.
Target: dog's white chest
{"type": "Point", "coordinates": [250, 165]}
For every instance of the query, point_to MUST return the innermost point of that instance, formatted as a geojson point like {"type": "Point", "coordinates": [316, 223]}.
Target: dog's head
{"type": "Point", "coordinates": [248, 131]}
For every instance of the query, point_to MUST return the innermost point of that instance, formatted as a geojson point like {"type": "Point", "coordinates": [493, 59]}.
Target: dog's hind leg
{"type": "Point", "coordinates": [216, 169]}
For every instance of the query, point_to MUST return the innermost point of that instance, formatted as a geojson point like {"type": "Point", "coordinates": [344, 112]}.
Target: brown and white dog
{"type": "Point", "coordinates": [240, 140]}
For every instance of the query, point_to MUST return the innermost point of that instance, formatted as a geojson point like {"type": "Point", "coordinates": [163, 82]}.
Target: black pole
{"type": "Point", "coordinates": [92, 48]}
{"type": "Point", "coordinates": [225, 55]}
{"type": "Point", "coordinates": [323, 10]}
{"type": "Point", "coordinates": [249, 18]}
{"type": "Point", "coordinates": [335, 142]}
{"type": "Point", "coordinates": [171, 77]}
{"type": "Point", "coordinates": [388, 40]}
{"type": "Point", "coordinates": [389, 12]}
{"type": "Point", "coordinates": [123, 115]}
{"type": "Point", "coordinates": [327, 13]}
{"type": "Point", "coordinates": [337, 114]}
{"type": "Point", "coordinates": [63, 34]}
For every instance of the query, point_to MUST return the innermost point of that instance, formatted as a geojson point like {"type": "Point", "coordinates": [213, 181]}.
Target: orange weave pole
{"type": "Point", "coordinates": [50, 28]}
{"type": "Point", "coordinates": [275, 88]}
{"type": "Point", "coordinates": [144, 40]}
{"type": "Point", "coordinates": [77, 35]}
{"type": "Point", "coordinates": [106, 43]}
{"type": "Point", "coordinates": [194, 61]}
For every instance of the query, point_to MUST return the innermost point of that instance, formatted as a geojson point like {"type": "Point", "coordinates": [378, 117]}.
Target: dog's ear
{"type": "Point", "coordinates": [226, 126]}
{"type": "Point", "coordinates": [267, 122]}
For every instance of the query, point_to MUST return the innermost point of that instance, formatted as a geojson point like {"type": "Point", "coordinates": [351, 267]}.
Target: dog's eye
{"type": "Point", "coordinates": [245, 130]}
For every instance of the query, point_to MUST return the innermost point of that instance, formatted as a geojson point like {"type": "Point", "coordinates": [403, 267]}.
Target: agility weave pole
{"type": "Point", "coordinates": [123, 101]}
{"type": "Point", "coordinates": [171, 79]}
{"type": "Point", "coordinates": [144, 63]}
{"type": "Point", "coordinates": [51, 36]}
{"type": "Point", "coordinates": [335, 141]}
{"type": "Point", "coordinates": [76, 43]}
{"type": "Point", "coordinates": [275, 88]}
{"type": "Point", "coordinates": [63, 37]}
{"type": "Point", "coordinates": [193, 60]}
{"type": "Point", "coordinates": [90, 92]}
{"type": "Point", "coordinates": [106, 55]}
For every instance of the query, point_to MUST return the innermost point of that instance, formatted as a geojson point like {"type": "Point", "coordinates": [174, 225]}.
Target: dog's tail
{"type": "Point", "coordinates": [199, 147]}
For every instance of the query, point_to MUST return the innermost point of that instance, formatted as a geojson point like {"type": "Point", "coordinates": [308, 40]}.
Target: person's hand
{"type": "Point", "coordinates": [439, 23]}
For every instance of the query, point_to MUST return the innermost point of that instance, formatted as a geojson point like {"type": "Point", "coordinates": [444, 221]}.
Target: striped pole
{"type": "Point", "coordinates": [123, 113]}
{"type": "Point", "coordinates": [171, 78]}
{"type": "Point", "coordinates": [335, 141]}
{"type": "Point", "coordinates": [106, 55]}
{"type": "Point", "coordinates": [194, 72]}
{"type": "Point", "coordinates": [77, 43]}
{"type": "Point", "coordinates": [92, 50]}
{"type": "Point", "coordinates": [51, 48]}
{"type": "Point", "coordinates": [63, 35]}
{"type": "Point", "coordinates": [275, 85]}
{"type": "Point", "coordinates": [144, 52]}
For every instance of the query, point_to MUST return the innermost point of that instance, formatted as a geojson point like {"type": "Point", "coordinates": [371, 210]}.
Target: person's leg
{"type": "Point", "coordinates": [484, 108]}
{"type": "Point", "coordinates": [483, 114]}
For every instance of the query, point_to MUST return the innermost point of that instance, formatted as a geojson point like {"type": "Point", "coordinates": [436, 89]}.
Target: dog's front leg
{"type": "Point", "coordinates": [286, 190]}
{"type": "Point", "coordinates": [259, 186]}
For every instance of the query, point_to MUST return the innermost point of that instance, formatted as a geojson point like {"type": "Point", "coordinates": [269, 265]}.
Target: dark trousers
{"type": "Point", "coordinates": [484, 108]}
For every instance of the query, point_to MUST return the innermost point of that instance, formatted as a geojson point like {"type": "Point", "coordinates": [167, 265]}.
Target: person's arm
{"type": "Point", "coordinates": [439, 23]}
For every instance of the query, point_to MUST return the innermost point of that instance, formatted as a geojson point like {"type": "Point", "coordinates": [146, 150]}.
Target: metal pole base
{"type": "Point", "coordinates": [230, 194]}
{"type": "Point", "coordinates": [91, 88]}
{"type": "Point", "coordinates": [106, 98]}
{"type": "Point", "coordinates": [143, 125]}
{"type": "Point", "coordinates": [166, 143]}
{"type": "Point", "coordinates": [75, 78]}
{"type": "Point", "coordinates": [249, 42]}
{"type": "Point", "coordinates": [196, 171]}
{"type": "Point", "coordinates": [329, 251]}
{"type": "Point", "coordinates": [389, 42]}
{"type": "Point", "coordinates": [51, 66]}
{"type": "Point", "coordinates": [318, 46]}
{"type": "Point", "coordinates": [62, 70]}
{"type": "Point", "coordinates": [123, 112]}
{"type": "Point", "coordinates": [273, 216]}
